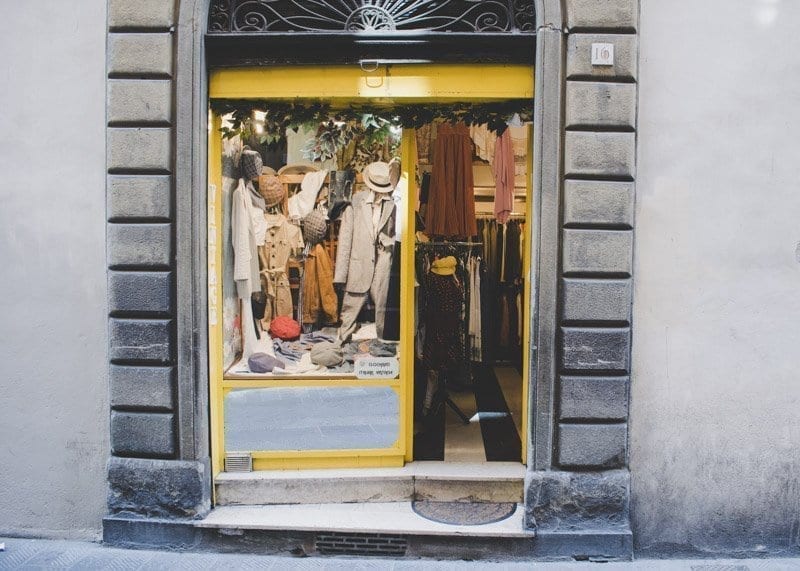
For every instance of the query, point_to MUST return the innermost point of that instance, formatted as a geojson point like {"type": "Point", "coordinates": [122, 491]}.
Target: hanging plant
{"type": "Point", "coordinates": [339, 131]}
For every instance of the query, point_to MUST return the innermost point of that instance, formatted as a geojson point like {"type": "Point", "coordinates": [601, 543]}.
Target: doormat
{"type": "Point", "coordinates": [463, 513]}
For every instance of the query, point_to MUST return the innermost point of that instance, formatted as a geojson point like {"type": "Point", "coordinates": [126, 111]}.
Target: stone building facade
{"type": "Point", "coordinates": [578, 484]}
{"type": "Point", "coordinates": [662, 409]}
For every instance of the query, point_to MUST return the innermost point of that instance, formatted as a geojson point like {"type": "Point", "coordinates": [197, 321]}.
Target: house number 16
{"type": "Point", "coordinates": [602, 54]}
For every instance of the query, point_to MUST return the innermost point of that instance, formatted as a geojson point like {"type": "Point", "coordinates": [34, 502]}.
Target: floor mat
{"type": "Point", "coordinates": [500, 437]}
{"type": "Point", "coordinates": [463, 513]}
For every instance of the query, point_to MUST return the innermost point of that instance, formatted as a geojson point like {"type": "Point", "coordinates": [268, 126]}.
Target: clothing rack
{"type": "Point", "coordinates": [425, 245]}
{"type": "Point", "coordinates": [490, 216]}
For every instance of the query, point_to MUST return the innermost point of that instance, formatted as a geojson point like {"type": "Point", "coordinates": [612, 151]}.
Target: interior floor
{"type": "Point", "coordinates": [493, 405]}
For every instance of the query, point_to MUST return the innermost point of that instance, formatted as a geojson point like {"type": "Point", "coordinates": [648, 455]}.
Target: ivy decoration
{"type": "Point", "coordinates": [338, 130]}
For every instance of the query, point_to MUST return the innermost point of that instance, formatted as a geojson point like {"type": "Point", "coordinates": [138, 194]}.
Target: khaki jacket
{"type": "Point", "coordinates": [358, 243]}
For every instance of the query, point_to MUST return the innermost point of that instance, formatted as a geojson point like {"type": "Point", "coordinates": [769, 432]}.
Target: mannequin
{"type": "Point", "coordinates": [364, 254]}
{"type": "Point", "coordinates": [442, 325]}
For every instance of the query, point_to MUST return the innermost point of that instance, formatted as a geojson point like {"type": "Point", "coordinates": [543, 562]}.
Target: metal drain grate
{"type": "Point", "coordinates": [238, 462]}
{"type": "Point", "coordinates": [360, 544]}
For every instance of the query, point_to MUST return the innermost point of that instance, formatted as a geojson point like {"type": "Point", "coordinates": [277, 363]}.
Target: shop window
{"type": "Point", "coordinates": [367, 263]}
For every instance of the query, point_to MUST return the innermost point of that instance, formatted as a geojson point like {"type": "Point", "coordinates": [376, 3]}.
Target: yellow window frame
{"type": "Point", "coordinates": [385, 84]}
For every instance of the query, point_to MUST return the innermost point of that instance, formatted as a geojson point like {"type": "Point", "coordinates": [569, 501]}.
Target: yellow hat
{"type": "Point", "coordinates": [444, 266]}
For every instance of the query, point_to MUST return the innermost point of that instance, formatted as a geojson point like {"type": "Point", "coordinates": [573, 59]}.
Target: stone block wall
{"type": "Point", "coordinates": [141, 213]}
{"type": "Point", "coordinates": [597, 236]}
{"type": "Point", "coordinates": [579, 483]}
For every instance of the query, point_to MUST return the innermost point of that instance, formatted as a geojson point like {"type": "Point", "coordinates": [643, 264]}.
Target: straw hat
{"type": "Point", "coordinates": [270, 187]}
{"type": "Point", "coordinates": [377, 177]}
{"type": "Point", "coordinates": [297, 168]}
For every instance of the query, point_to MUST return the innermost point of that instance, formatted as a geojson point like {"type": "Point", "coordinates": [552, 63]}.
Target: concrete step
{"type": "Point", "coordinates": [388, 518]}
{"type": "Point", "coordinates": [440, 481]}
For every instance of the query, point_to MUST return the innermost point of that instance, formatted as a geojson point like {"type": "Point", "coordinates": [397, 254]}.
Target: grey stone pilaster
{"type": "Point", "coordinates": [601, 104]}
{"type": "Point", "coordinates": [135, 387]}
{"type": "Point", "coordinates": [602, 14]}
{"type": "Point", "coordinates": [140, 55]}
{"type": "Point", "coordinates": [142, 292]}
{"type": "Point", "coordinates": [148, 475]}
{"type": "Point", "coordinates": [158, 488]}
{"type": "Point", "coordinates": [592, 203]}
{"type": "Point", "coordinates": [142, 14]}
{"type": "Point", "coordinates": [564, 499]}
{"type": "Point", "coordinates": [137, 197]}
{"type": "Point", "coordinates": [143, 434]}
{"type": "Point", "coordinates": [579, 61]}
{"type": "Point", "coordinates": [597, 233]}
{"type": "Point", "coordinates": [593, 399]}
{"type": "Point", "coordinates": [140, 101]}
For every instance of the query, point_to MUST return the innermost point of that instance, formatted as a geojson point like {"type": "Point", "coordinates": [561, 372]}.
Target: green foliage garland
{"type": "Point", "coordinates": [366, 120]}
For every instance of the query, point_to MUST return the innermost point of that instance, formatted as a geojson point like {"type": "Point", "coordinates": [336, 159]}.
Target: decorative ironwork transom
{"type": "Point", "coordinates": [371, 16]}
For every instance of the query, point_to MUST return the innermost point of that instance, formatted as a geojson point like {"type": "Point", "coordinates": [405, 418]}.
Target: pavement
{"type": "Point", "coordinates": [30, 554]}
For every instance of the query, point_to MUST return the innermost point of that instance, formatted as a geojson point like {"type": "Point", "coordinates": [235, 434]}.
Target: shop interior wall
{"type": "Point", "coordinates": [715, 422]}
{"type": "Point", "coordinates": [53, 341]}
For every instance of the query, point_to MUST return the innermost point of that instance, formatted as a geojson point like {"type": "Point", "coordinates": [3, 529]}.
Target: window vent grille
{"type": "Point", "coordinates": [238, 462]}
{"type": "Point", "coordinates": [379, 544]}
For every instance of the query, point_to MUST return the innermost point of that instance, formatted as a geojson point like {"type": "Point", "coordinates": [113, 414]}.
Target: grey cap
{"type": "Point", "coordinates": [327, 354]}
{"type": "Point", "coordinates": [251, 164]}
{"type": "Point", "coordinates": [314, 228]}
{"type": "Point", "coordinates": [263, 363]}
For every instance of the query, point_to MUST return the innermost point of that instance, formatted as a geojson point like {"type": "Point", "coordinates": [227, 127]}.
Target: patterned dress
{"type": "Point", "coordinates": [442, 349]}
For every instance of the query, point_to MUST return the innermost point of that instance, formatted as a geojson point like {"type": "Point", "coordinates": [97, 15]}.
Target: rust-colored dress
{"type": "Point", "coordinates": [451, 203]}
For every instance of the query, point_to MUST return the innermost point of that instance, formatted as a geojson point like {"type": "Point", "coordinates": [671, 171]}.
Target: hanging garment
{"type": "Point", "coordinates": [513, 261]}
{"type": "Point", "coordinates": [281, 240]}
{"type": "Point", "coordinates": [425, 136]}
{"type": "Point", "coordinates": [391, 324]}
{"type": "Point", "coordinates": [485, 140]}
{"type": "Point", "coordinates": [475, 334]}
{"type": "Point", "coordinates": [258, 206]}
{"type": "Point", "coordinates": [442, 349]}
{"type": "Point", "coordinates": [503, 169]}
{"type": "Point", "coordinates": [451, 205]}
{"type": "Point", "coordinates": [319, 297]}
{"type": "Point", "coordinates": [364, 257]}
{"type": "Point", "coordinates": [245, 254]}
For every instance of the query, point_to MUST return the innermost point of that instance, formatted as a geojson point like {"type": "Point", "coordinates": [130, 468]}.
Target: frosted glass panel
{"type": "Point", "coordinates": [311, 418]}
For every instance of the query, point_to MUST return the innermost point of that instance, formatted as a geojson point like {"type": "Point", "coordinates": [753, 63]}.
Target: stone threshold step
{"type": "Point", "coordinates": [466, 482]}
{"type": "Point", "coordinates": [390, 518]}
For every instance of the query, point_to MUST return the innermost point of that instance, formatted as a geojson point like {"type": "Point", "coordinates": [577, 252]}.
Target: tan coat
{"type": "Point", "coordinates": [282, 239]}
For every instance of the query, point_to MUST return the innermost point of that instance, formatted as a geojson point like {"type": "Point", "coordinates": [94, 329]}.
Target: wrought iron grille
{"type": "Point", "coordinates": [371, 16]}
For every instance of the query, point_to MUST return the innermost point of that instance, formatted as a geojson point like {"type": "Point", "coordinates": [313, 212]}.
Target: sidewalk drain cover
{"type": "Point", "coordinates": [463, 513]}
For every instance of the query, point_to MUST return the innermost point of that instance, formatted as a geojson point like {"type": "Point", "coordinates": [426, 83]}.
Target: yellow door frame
{"type": "Point", "coordinates": [388, 83]}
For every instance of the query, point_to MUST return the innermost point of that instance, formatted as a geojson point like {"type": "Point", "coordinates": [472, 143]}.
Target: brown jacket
{"type": "Point", "coordinates": [319, 297]}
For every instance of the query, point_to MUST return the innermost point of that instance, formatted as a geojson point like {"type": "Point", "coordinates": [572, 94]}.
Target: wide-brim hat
{"type": "Point", "coordinates": [444, 266]}
{"type": "Point", "coordinates": [251, 164]}
{"type": "Point", "coordinates": [377, 177]}
{"type": "Point", "coordinates": [297, 168]}
{"type": "Point", "coordinates": [313, 181]}
{"type": "Point", "coordinates": [314, 228]}
{"type": "Point", "coordinates": [270, 187]}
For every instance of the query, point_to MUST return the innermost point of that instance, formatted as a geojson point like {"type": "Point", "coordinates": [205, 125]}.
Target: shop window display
{"type": "Point", "coordinates": [312, 243]}
{"type": "Point", "coordinates": [311, 252]}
